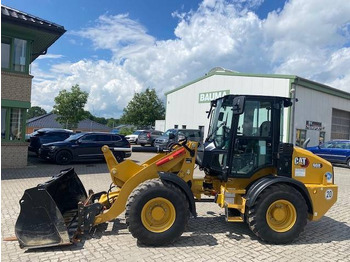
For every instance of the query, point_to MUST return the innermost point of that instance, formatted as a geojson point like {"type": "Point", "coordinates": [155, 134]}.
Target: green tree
{"type": "Point", "coordinates": [35, 111]}
{"type": "Point", "coordinates": [70, 107]}
{"type": "Point", "coordinates": [126, 131]}
{"type": "Point", "coordinates": [97, 119]}
{"type": "Point", "coordinates": [111, 122]}
{"type": "Point", "coordinates": [143, 109]}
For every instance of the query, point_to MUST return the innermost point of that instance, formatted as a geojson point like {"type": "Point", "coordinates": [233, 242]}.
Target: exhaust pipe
{"type": "Point", "coordinates": [307, 141]}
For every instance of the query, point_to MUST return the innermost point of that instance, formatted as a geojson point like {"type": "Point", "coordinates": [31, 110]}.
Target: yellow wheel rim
{"type": "Point", "coordinates": [281, 216]}
{"type": "Point", "coordinates": [158, 215]}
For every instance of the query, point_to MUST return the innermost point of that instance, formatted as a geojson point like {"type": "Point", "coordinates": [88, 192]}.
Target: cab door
{"type": "Point", "coordinates": [252, 148]}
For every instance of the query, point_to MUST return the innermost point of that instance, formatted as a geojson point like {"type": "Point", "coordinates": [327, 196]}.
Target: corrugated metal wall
{"type": "Point", "coordinates": [340, 124]}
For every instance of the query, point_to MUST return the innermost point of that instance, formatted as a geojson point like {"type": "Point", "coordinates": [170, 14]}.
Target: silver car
{"type": "Point", "coordinates": [133, 138]}
{"type": "Point", "coordinates": [148, 137]}
{"type": "Point", "coordinates": [163, 142]}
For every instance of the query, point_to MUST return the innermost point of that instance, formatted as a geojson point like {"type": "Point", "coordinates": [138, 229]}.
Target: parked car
{"type": "Point", "coordinates": [85, 146]}
{"type": "Point", "coordinates": [191, 134]}
{"type": "Point", "coordinates": [133, 138]}
{"type": "Point", "coordinates": [147, 137]}
{"type": "Point", "coordinates": [47, 135]}
{"type": "Point", "coordinates": [335, 151]}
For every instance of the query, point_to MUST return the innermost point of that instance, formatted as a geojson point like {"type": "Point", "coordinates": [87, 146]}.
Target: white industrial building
{"type": "Point", "coordinates": [322, 113]}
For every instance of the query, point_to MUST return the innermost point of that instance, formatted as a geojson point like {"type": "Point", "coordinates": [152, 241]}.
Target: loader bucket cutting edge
{"type": "Point", "coordinates": [49, 212]}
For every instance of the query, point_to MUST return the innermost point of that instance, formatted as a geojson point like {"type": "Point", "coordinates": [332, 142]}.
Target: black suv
{"type": "Point", "coordinates": [47, 135]}
{"type": "Point", "coordinates": [85, 146]}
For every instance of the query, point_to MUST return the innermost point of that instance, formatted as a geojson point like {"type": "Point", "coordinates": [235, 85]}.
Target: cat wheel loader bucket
{"type": "Point", "coordinates": [49, 212]}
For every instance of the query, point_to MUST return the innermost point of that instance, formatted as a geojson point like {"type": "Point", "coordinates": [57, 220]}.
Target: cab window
{"type": "Point", "coordinates": [252, 147]}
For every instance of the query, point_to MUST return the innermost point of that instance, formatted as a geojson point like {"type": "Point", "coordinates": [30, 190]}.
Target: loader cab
{"type": "Point", "coordinates": [244, 135]}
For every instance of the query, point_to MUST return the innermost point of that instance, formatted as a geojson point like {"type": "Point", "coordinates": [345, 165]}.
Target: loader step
{"type": "Point", "coordinates": [233, 215]}
{"type": "Point", "coordinates": [235, 219]}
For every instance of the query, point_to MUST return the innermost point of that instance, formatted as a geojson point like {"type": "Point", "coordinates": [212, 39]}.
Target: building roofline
{"type": "Point", "coordinates": [51, 122]}
{"type": "Point", "coordinates": [293, 78]}
{"type": "Point", "coordinates": [17, 16]}
{"type": "Point", "coordinates": [320, 87]}
{"type": "Point", "coordinates": [30, 120]}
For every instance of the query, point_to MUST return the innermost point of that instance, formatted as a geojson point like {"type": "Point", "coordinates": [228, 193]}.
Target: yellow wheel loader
{"type": "Point", "coordinates": [272, 186]}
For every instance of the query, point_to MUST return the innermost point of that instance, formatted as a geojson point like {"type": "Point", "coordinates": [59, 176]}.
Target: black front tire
{"type": "Point", "coordinates": [287, 226]}
{"type": "Point", "coordinates": [63, 157]}
{"type": "Point", "coordinates": [139, 211]}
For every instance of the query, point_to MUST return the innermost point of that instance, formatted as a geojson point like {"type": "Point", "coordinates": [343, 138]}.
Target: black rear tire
{"type": "Point", "coordinates": [279, 214]}
{"type": "Point", "coordinates": [63, 157]}
{"type": "Point", "coordinates": [157, 212]}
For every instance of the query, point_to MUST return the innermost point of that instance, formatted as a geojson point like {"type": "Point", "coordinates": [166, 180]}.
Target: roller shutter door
{"type": "Point", "coordinates": [340, 124]}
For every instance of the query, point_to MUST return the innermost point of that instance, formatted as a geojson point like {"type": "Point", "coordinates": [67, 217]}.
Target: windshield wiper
{"type": "Point", "coordinates": [214, 131]}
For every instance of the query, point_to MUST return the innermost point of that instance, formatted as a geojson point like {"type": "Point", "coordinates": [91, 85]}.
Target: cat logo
{"type": "Point", "coordinates": [301, 161]}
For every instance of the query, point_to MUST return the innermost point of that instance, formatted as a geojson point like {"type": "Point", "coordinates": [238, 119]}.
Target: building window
{"type": "Point", "coordinates": [14, 54]}
{"type": "Point", "coordinates": [19, 54]}
{"type": "Point", "coordinates": [12, 124]}
{"type": "Point", "coordinates": [321, 137]}
{"type": "Point", "coordinates": [3, 123]}
{"type": "Point", "coordinates": [176, 126]}
{"type": "Point", "coordinates": [300, 137]}
{"type": "Point", "coordinates": [16, 124]}
{"type": "Point", "coordinates": [183, 126]}
{"type": "Point", "coordinates": [5, 52]}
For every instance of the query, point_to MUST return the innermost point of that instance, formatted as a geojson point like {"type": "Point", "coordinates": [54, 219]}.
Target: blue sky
{"type": "Point", "coordinates": [113, 49]}
{"type": "Point", "coordinates": [156, 16]}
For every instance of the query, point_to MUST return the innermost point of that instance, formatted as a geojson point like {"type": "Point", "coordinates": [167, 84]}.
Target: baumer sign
{"type": "Point", "coordinates": [209, 96]}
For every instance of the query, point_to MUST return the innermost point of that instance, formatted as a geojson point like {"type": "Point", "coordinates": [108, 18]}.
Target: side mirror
{"type": "Point", "coordinates": [238, 105]}
{"type": "Point", "coordinates": [78, 141]}
{"type": "Point", "coordinates": [171, 136]}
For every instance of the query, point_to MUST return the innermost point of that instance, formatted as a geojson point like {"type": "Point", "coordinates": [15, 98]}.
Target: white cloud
{"type": "Point", "coordinates": [306, 34]}
{"type": "Point", "coordinates": [119, 34]}
{"type": "Point", "coordinates": [307, 38]}
{"type": "Point", "coordinates": [50, 56]}
{"type": "Point", "coordinates": [104, 81]}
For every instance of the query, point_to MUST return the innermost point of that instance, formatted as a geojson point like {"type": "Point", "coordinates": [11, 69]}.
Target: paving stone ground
{"type": "Point", "coordinates": [207, 238]}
